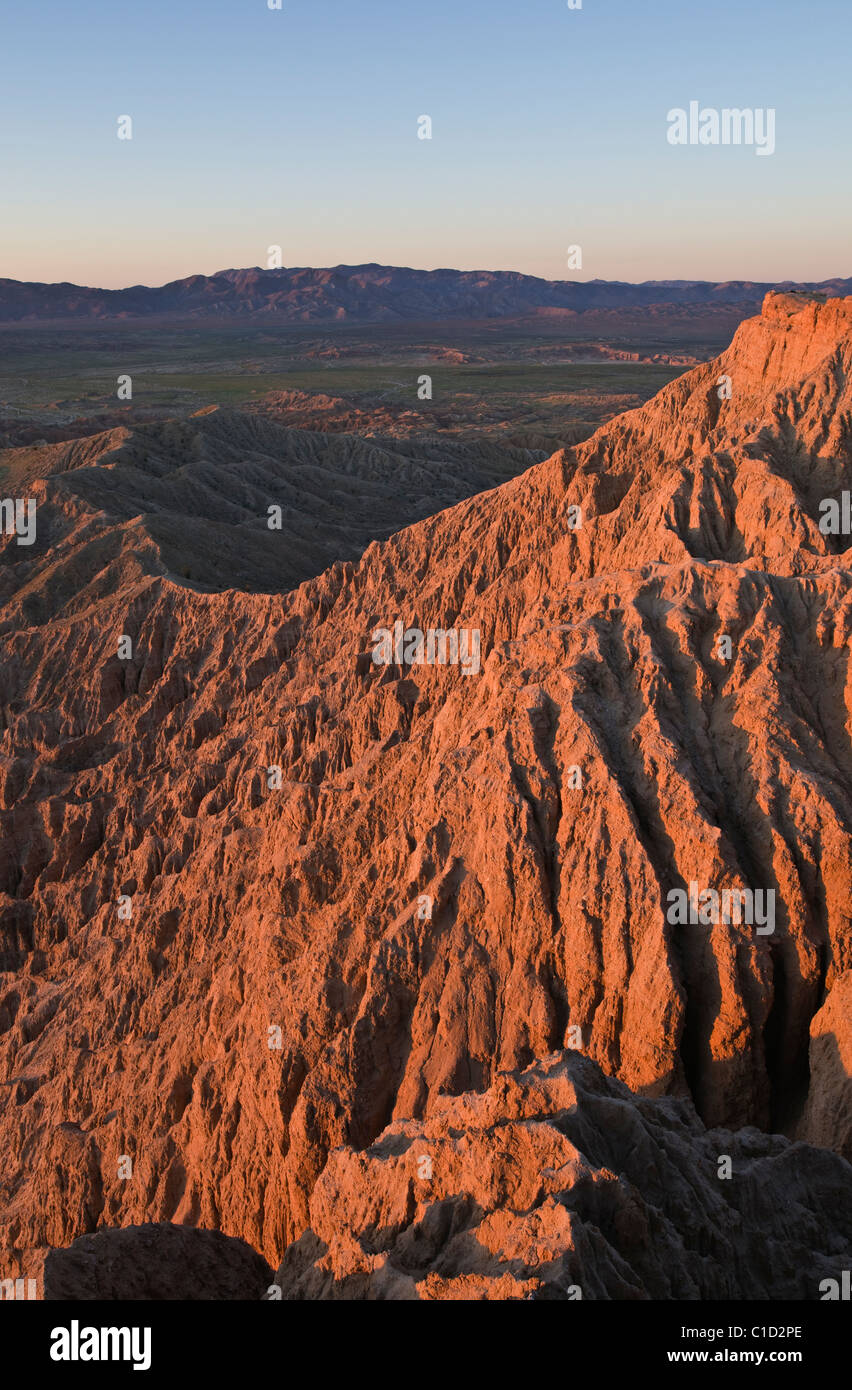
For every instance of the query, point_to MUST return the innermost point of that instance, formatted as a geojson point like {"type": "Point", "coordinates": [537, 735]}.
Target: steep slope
{"type": "Point", "coordinates": [370, 294]}
{"type": "Point", "coordinates": [359, 888]}
{"type": "Point", "coordinates": [196, 499]}
{"type": "Point", "coordinates": [557, 1184]}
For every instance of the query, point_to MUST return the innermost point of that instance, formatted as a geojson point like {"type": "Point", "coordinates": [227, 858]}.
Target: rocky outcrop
{"type": "Point", "coordinates": [827, 1119]}
{"type": "Point", "coordinates": [232, 499]}
{"type": "Point", "coordinates": [557, 1183]}
{"type": "Point", "coordinates": [172, 1263]}
{"type": "Point", "coordinates": [261, 897]}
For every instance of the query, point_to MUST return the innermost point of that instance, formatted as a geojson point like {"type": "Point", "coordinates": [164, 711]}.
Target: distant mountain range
{"type": "Point", "coordinates": [375, 294]}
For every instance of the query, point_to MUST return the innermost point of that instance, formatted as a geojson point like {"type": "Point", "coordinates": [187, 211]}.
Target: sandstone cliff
{"type": "Point", "coordinates": [556, 1183]}
{"type": "Point", "coordinates": [357, 890]}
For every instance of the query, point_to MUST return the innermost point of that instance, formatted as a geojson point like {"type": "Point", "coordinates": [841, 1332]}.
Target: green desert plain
{"type": "Point", "coordinates": [537, 383]}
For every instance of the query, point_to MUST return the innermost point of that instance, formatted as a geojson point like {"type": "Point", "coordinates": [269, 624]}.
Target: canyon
{"type": "Point", "coordinates": [277, 1034]}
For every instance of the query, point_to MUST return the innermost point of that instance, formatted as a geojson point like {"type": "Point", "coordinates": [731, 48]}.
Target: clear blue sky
{"type": "Point", "coordinates": [299, 127]}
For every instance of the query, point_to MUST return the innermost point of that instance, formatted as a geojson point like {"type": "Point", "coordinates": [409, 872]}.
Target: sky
{"type": "Point", "coordinates": [298, 128]}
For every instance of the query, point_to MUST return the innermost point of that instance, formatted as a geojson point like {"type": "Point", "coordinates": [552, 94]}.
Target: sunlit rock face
{"type": "Point", "coordinates": [262, 896]}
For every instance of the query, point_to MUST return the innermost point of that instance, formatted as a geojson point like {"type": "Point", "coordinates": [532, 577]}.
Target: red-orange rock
{"type": "Point", "coordinates": [304, 907]}
{"type": "Point", "coordinates": [556, 1183]}
{"type": "Point", "coordinates": [828, 1114]}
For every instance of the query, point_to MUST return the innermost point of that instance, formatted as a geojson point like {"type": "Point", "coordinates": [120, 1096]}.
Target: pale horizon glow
{"type": "Point", "coordinates": [298, 128]}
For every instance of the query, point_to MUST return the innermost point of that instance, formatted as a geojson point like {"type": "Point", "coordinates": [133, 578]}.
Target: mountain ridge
{"type": "Point", "coordinates": [278, 994]}
{"type": "Point", "coordinates": [372, 293]}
